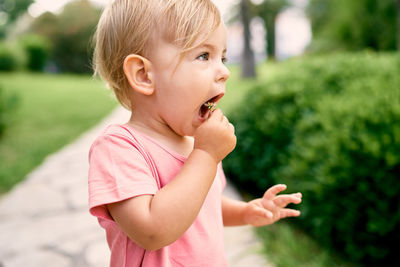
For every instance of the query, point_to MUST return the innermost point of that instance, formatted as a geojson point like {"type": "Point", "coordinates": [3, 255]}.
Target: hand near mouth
{"type": "Point", "coordinates": [216, 136]}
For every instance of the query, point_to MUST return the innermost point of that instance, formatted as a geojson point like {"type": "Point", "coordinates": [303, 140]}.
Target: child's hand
{"type": "Point", "coordinates": [271, 208]}
{"type": "Point", "coordinates": [216, 136]}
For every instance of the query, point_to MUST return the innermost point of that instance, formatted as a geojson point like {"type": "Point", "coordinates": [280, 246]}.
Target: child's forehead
{"type": "Point", "coordinates": [211, 38]}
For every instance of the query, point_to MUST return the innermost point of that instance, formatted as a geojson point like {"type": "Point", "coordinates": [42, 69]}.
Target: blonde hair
{"type": "Point", "coordinates": [128, 26]}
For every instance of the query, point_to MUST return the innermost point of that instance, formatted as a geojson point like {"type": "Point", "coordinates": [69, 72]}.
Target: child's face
{"type": "Point", "coordinates": [183, 87]}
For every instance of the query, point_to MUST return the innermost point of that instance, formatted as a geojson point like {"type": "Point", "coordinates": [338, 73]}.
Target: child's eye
{"type": "Point", "coordinates": [204, 56]}
{"type": "Point", "coordinates": [224, 60]}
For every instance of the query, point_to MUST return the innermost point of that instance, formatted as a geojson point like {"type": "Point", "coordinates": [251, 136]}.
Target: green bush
{"type": "Point", "coordinates": [37, 50]}
{"type": "Point", "coordinates": [330, 128]}
{"type": "Point", "coordinates": [8, 59]}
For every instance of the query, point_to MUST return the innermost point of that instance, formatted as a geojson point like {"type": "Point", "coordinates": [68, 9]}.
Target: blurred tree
{"type": "Point", "coordinates": [398, 25]}
{"type": "Point", "coordinates": [353, 25]}
{"type": "Point", "coordinates": [46, 24]}
{"type": "Point", "coordinates": [248, 64]}
{"type": "Point", "coordinates": [70, 34]}
{"type": "Point", "coordinates": [10, 10]}
{"type": "Point", "coordinates": [268, 11]}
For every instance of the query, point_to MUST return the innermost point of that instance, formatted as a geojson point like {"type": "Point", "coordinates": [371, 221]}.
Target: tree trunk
{"type": "Point", "coordinates": [248, 64]}
{"type": "Point", "coordinates": [270, 27]}
{"type": "Point", "coordinates": [398, 25]}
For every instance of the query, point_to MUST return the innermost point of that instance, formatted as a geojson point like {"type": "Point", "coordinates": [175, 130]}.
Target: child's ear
{"type": "Point", "coordinates": [138, 71]}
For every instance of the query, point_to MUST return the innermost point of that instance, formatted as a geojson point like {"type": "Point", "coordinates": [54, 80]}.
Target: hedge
{"type": "Point", "coordinates": [329, 127]}
{"type": "Point", "coordinates": [37, 49]}
{"type": "Point", "coordinates": [8, 58]}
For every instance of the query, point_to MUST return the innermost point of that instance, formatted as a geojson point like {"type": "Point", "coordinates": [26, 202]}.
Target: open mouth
{"type": "Point", "coordinates": [208, 106]}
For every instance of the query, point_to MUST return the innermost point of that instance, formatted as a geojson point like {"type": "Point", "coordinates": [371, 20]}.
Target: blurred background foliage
{"type": "Point", "coordinates": [329, 127]}
{"type": "Point", "coordinates": [325, 123]}
{"type": "Point", "coordinates": [52, 42]}
{"type": "Point", "coordinates": [70, 34]}
{"type": "Point", "coordinates": [10, 11]}
{"type": "Point", "coordinates": [354, 25]}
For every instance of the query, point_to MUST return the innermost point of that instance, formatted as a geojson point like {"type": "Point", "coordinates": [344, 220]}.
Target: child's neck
{"type": "Point", "coordinates": [164, 135]}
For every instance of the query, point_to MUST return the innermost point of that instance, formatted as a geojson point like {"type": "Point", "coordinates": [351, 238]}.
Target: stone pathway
{"type": "Point", "coordinates": [44, 221]}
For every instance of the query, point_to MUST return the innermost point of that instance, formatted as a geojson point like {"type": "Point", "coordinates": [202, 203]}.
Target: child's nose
{"type": "Point", "coordinates": [223, 73]}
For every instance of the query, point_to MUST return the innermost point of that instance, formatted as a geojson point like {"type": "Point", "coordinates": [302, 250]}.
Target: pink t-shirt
{"type": "Point", "coordinates": [125, 163]}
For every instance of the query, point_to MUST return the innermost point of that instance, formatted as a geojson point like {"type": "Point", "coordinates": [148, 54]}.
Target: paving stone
{"type": "Point", "coordinates": [36, 258]}
{"type": "Point", "coordinates": [98, 254]}
{"type": "Point", "coordinates": [30, 200]}
{"type": "Point", "coordinates": [242, 248]}
{"type": "Point", "coordinates": [49, 231]}
{"type": "Point", "coordinates": [241, 245]}
{"type": "Point", "coordinates": [77, 197]}
{"type": "Point", "coordinates": [9, 228]}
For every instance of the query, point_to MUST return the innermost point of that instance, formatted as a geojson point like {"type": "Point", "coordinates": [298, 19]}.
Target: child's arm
{"type": "Point", "coordinates": [262, 211]}
{"type": "Point", "coordinates": [156, 221]}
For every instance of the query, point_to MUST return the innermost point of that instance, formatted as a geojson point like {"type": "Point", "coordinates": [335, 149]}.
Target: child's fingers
{"type": "Point", "coordinates": [274, 190]}
{"type": "Point", "coordinates": [217, 115]}
{"type": "Point", "coordinates": [284, 213]}
{"type": "Point", "coordinates": [284, 200]}
{"type": "Point", "coordinates": [263, 212]}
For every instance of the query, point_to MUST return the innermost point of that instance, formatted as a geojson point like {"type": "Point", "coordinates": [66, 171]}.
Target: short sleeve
{"type": "Point", "coordinates": [117, 171]}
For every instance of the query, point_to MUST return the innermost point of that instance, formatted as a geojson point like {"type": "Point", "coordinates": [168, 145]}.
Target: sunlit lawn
{"type": "Point", "coordinates": [52, 110]}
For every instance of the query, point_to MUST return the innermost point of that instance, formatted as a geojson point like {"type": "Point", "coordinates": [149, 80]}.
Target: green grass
{"type": "Point", "coordinates": [52, 110]}
{"type": "Point", "coordinates": [286, 246]}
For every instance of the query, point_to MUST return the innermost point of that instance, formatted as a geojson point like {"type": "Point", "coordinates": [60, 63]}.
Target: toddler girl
{"type": "Point", "coordinates": [156, 182]}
